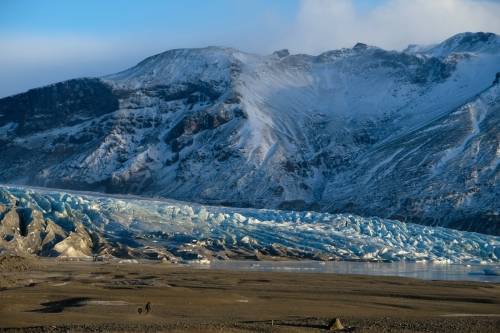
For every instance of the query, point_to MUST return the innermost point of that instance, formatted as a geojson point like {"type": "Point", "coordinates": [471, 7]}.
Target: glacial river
{"type": "Point", "coordinates": [425, 271]}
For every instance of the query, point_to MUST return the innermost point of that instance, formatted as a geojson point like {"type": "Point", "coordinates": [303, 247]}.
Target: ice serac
{"type": "Point", "coordinates": [128, 227]}
{"type": "Point", "coordinates": [410, 135]}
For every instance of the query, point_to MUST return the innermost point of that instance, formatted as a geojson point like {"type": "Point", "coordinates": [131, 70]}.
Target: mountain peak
{"type": "Point", "coordinates": [476, 42]}
{"type": "Point", "coordinates": [467, 37]}
{"type": "Point", "coordinates": [360, 46]}
{"type": "Point", "coordinates": [212, 63]}
{"type": "Point", "coordinates": [282, 53]}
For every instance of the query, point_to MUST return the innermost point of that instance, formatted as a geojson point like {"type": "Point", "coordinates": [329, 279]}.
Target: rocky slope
{"type": "Point", "coordinates": [410, 135]}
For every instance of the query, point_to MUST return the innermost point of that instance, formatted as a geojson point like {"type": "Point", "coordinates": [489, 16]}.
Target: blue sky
{"type": "Point", "coordinates": [45, 41]}
{"type": "Point", "coordinates": [125, 16]}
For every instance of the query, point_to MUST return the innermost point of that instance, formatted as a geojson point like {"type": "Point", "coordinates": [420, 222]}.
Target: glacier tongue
{"type": "Point", "coordinates": [139, 227]}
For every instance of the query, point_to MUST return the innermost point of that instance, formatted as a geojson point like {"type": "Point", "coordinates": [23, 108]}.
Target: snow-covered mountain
{"type": "Point", "coordinates": [410, 135]}
{"type": "Point", "coordinates": [53, 223]}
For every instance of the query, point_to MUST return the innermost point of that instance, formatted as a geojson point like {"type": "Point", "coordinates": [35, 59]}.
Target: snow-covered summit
{"type": "Point", "coordinates": [467, 42]}
{"type": "Point", "coordinates": [180, 65]}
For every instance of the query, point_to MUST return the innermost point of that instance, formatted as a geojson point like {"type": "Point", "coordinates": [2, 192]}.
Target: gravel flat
{"type": "Point", "coordinates": [57, 296]}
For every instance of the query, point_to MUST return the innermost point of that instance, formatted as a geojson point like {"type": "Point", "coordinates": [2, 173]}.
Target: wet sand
{"type": "Point", "coordinates": [54, 296]}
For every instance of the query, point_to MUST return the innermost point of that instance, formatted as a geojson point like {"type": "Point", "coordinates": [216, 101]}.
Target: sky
{"type": "Point", "coordinates": [46, 41]}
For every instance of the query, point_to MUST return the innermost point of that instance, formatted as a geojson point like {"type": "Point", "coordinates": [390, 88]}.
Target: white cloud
{"type": "Point", "coordinates": [329, 24]}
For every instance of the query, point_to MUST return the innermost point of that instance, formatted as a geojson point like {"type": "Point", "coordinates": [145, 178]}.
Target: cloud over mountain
{"type": "Point", "coordinates": [325, 24]}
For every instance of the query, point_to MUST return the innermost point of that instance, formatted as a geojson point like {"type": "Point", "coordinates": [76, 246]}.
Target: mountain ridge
{"type": "Point", "coordinates": [217, 125]}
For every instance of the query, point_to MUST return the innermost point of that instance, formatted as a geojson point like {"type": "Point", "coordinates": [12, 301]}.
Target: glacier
{"type": "Point", "coordinates": [48, 222]}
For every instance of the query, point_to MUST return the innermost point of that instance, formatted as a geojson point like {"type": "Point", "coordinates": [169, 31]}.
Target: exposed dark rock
{"type": "Point", "coordinates": [282, 53]}
{"type": "Point", "coordinates": [65, 103]}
